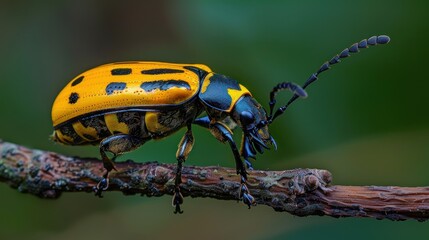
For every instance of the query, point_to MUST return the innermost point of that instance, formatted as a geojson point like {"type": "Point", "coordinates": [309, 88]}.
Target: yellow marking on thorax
{"type": "Point", "coordinates": [152, 124]}
{"type": "Point", "coordinates": [114, 125]}
{"type": "Point", "coordinates": [236, 95]}
{"type": "Point", "coordinates": [85, 132]}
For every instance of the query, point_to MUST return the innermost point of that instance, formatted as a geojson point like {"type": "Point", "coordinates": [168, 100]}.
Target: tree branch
{"type": "Point", "coordinates": [301, 192]}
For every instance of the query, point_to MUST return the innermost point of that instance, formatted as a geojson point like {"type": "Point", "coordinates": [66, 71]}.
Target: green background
{"type": "Point", "coordinates": [367, 120]}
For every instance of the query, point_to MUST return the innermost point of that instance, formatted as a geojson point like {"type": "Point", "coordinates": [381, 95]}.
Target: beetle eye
{"type": "Point", "coordinates": [246, 118]}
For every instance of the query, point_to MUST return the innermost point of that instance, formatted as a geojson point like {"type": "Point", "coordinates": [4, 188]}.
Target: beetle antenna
{"type": "Point", "coordinates": [354, 48]}
{"type": "Point", "coordinates": [294, 88]}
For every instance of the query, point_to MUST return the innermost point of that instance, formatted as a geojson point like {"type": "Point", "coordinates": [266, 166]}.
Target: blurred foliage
{"type": "Point", "coordinates": [367, 120]}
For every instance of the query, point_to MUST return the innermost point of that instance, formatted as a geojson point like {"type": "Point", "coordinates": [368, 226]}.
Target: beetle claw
{"type": "Point", "coordinates": [177, 201]}
{"type": "Point", "coordinates": [245, 196]}
{"type": "Point", "coordinates": [248, 199]}
{"type": "Point", "coordinates": [248, 164]}
{"type": "Point", "coordinates": [103, 185]}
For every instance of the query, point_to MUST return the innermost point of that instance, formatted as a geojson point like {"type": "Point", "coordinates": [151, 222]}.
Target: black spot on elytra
{"type": "Point", "coordinates": [121, 71]}
{"type": "Point", "coordinates": [73, 98]}
{"type": "Point", "coordinates": [115, 86]}
{"type": "Point", "coordinates": [77, 81]}
{"type": "Point", "coordinates": [157, 71]}
{"type": "Point", "coordinates": [216, 94]}
{"type": "Point", "coordinates": [164, 85]}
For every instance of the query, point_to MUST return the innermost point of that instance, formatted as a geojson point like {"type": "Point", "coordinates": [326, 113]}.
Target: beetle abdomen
{"type": "Point", "coordinates": [137, 123]}
{"type": "Point", "coordinates": [92, 130]}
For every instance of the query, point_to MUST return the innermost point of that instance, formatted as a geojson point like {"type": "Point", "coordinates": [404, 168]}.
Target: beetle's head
{"type": "Point", "coordinates": [252, 118]}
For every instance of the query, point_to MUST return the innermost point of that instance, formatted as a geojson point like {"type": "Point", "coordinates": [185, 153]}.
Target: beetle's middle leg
{"type": "Point", "coordinates": [116, 144]}
{"type": "Point", "coordinates": [185, 147]}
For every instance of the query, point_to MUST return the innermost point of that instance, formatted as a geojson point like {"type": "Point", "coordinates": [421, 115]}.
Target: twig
{"type": "Point", "coordinates": [301, 192]}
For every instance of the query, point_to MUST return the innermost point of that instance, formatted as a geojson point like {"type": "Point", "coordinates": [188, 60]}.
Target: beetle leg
{"type": "Point", "coordinates": [185, 147]}
{"type": "Point", "coordinates": [115, 144]}
{"type": "Point", "coordinates": [224, 134]}
{"type": "Point", "coordinates": [247, 151]}
{"type": "Point", "coordinates": [245, 148]}
{"type": "Point", "coordinates": [203, 121]}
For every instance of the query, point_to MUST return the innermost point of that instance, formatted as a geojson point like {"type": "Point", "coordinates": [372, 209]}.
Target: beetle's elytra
{"type": "Point", "coordinates": [122, 105]}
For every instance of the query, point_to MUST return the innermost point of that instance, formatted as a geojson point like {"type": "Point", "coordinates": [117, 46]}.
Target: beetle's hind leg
{"type": "Point", "coordinates": [185, 147]}
{"type": "Point", "coordinates": [115, 144]}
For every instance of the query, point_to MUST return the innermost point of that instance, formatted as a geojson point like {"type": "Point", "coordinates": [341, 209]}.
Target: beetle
{"type": "Point", "coordinates": [120, 106]}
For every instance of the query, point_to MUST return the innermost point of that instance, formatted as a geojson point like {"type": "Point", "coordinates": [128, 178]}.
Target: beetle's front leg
{"type": "Point", "coordinates": [185, 147]}
{"type": "Point", "coordinates": [116, 144]}
{"type": "Point", "coordinates": [223, 134]}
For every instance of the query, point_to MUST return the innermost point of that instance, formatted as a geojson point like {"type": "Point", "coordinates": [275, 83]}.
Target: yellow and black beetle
{"type": "Point", "coordinates": [122, 105]}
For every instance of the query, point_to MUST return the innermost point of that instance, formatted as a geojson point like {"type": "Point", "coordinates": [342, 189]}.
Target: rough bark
{"type": "Point", "coordinates": [301, 192]}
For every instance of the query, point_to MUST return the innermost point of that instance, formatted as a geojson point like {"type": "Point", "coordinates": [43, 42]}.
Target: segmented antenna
{"type": "Point", "coordinates": [294, 88]}
{"type": "Point", "coordinates": [354, 48]}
